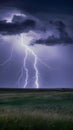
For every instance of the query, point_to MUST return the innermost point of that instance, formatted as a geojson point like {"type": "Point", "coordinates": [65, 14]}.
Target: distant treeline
{"type": "Point", "coordinates": [34, 89]}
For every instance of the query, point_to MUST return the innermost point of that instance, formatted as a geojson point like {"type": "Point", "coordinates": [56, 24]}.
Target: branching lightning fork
{"type": "Point", "coordinates": [25, 67]}
{"type": "Point", "coordinates": [36, 59]}
{"type": "Point", "coordinates": [27, 49]}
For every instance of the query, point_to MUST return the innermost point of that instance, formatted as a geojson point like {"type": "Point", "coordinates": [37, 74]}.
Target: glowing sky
{"type": "Point", "coordinates": [36, 47]}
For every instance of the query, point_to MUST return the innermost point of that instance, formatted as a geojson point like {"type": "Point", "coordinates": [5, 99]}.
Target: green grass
{"type": "Point", "coordinates": [34, 122]}
{"type": "Point", "coordinates": [36, 110]}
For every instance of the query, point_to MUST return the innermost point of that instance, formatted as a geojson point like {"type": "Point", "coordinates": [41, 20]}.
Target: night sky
{"type": "Point", "coordinates": [36, 44]}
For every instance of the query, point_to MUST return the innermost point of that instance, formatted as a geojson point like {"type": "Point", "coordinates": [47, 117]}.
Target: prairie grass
{"type": "Point", "coordinates": [35, 121]}
{"type": "Point", "coordinates": [36, 110]}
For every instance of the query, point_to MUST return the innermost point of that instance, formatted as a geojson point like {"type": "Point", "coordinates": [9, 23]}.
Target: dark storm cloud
{"type": "Point", "coordinates": [16, 27]}
{"type": "Point", "coordinates": [54, 41]}
{"type": "Point", "coordinates": [63, 38]}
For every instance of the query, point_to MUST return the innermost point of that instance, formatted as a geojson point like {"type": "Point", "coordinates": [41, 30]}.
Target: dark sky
{"type": "Point", "coordinates": [52, 6]}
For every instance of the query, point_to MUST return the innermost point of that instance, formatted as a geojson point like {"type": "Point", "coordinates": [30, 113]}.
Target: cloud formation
{"type": "Point", "coordinates": [16, 27]}
{"type": "Point", "coordinates": [63, 38]}
{"type": "Point", "coordinates": [20, 24]}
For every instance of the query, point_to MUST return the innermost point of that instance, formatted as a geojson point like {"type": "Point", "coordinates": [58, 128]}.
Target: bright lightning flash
{"type": "Point", "coordinates": [27, 49]}
{"type": "Point", "coordinates": [25, 40]}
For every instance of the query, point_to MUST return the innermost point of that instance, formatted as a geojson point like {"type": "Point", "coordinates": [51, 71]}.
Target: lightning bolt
{"type": "Point", "coordinates": [26, 69]}
{"type": "Point", "coordinates": [27, 49]}
{"type": "Point", "coordinates": [24, 66]}
{"type": "Point", "coordinates": [36, 71]}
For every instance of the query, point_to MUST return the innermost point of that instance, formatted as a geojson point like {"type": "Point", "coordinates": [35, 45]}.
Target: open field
{"type": "Point", "coordinates": [36, 110]}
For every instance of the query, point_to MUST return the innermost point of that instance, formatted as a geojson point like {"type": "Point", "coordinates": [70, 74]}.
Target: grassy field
{"type": "Point", "coordinates": [36, 110]}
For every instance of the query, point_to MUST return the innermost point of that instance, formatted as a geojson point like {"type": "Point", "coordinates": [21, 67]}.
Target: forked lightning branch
{"type": "Point", "coordinates": [24, 67]}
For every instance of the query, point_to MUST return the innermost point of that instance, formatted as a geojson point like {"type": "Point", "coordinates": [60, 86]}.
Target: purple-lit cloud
{"type": "Point", "coordinates": [22, 23]}
{"type": "Point", "coordinates": [63, 36]}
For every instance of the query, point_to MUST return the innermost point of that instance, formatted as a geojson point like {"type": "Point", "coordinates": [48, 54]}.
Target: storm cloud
{"type": "Point", "coordinates": [20, 24]}
{"type": "Point", "coordinates": [16, 27]}
{"type": "Point", "coordinates": [63, 36]}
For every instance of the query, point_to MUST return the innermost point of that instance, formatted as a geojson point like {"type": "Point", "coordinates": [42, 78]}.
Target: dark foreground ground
{"type": "Point", "coordinates": [36, 109]}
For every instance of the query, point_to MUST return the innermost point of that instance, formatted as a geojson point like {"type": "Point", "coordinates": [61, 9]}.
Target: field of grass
{"type": "Point", "coordinates": [36, 110]}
